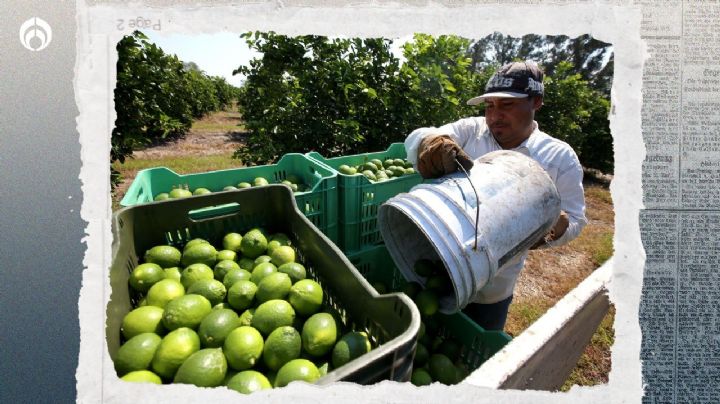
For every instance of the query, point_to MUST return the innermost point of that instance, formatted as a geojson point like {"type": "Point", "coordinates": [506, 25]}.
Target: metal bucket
{"type": "Point", "coordinates": [516, 204]}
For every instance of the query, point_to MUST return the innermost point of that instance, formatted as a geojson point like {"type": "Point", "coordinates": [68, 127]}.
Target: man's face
{"type": "Point", "coordinates": [511, 119]}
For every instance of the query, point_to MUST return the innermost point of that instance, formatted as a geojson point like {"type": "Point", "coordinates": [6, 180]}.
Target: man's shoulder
{"type": "Point", "coordinates": [551, 147]}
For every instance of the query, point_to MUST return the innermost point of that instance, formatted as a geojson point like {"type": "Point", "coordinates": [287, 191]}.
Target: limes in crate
{"type": "Point", "coordinates": [195, 272]}
{"type": "Point", "coordinates": [427, 302]}
{"type": "Point", "coordinates": [164, 291]}
{"type": "Point", "coordinates": [201, 191]}
{"type": "Point", "coordinates": [216, 326]}
{"type": "Point", "coordinates": [136, 353]}
{"type": "Point", "coordinates": [204, 368]}
{"type": "Point", "coordinates": [271, 315]}
{"type": "Point", "coordinates": [306, 297]}
{"type": "Point", "coordinates": [162, 196]}
{"type": "Point", "coordinates": [194, 242]}
{"type": "Point", "coordinates": [229, 188]}
{"type": "Point", "coordinates": [203, 253]}
{"type": "Point", "coordinates": [246, 263]}
{"type": "Point", "coordinates": [260, 181]}
{"type": "Point", "coordinates": [420, 377]}
{"type": "Point", "coordinates": [350, 346]}
{"type": "Point", "coordinates": [319, 334]}
{"type": "Point", "coordinates": [261, 271]}
{"type": "Point", "coordinates": [261, 259]}
{"type": "Point", "coordinates": [145, 275]}
{"type": "Point", "coordinates": [297, 369]}
{"type": "Point", "coordinates": [246, 317]}
{"type": "Point", "coordinates": [173, 273]}
{"type": "Point", "coordinates": [141, 320]}
{"type": "Point", "coordinates": [282, 255]}
{"type": "Point", "coordinates": [274, 286]}
{"type": "Point", "coordinates": [253, 244]}
{"type": "Point", "coordinates": [223, 267]}
{"type": "Point", "coordinates": [282, 345]}
{"type": "Point", "coordinates": [243, 347]}
{"type": "Point", "coordinates": [442, 369]}
{"type": "Point", "coordinates": [142, 376]}
{"type": "Point", "coordinates": [347, 170]}
{"type": "Point", "coordinates": [234, 275]}
{"type": "Point", "coordinates": [226, 255]}
{"type": "Point", "coordinates": [295, 270]}
{"type": "Point", "coordinates": [242, 294]}
{"type": "Point", "coordinates": [173, 350]}
{"type": "Point", "coordinates": [249, 381]}
{"type": "Point", "coordinates": [185, 311]}
{"type": "Point", "coordinates": [244, 185]}
{"type": "Point", "coordinates": [164, 255]}
{"type": "Point", "coordinates": [179, 193]}
{"type": "Point", "coordinates": [211, 289]}
{"type": "Point", "coordinates": [421, 355]}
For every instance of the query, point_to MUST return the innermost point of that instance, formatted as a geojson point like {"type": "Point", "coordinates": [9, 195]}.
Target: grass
{"type": "Point", "coordinates": [594, 364]}
{"type": "Point", "coordinates": [181, 165]}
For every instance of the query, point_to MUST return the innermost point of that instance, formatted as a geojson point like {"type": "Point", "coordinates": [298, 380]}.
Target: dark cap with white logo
{"type": "Point", "coordinates": [513, 80]}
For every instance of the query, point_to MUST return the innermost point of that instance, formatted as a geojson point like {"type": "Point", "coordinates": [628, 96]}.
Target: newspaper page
{"type": "Point", "coordinates": [680, 226]}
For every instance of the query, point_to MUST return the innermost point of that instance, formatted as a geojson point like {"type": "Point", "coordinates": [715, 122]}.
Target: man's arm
{"type": "Point", "coordinates": [572, 200]}
{"type": "Point", "coordinates": [432, 150]}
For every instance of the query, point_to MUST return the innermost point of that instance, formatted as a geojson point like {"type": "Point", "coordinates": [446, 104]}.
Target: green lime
{"type": "Point", "coordinates": [142, 376]}
{"type": "Point", "coordinates": [293, 178]}
{"type": "Point", "coordinates": [229, 188]}
{"type": "Point", "coordinates": [424, 267]}
{"type": "Point", "coordinates": [164, 291]}
{"type": "Point", "coordinates": [351, 346]}
{"type": "Point", "coordinates": [194, 242]}
{"type": "Point", "coordinates": [203, 253]}
{"type": "Point", "coordinates": [145, 275]}
{"type": "Point", "coordinates": [244, 185]}
{"type": "Point", "coordinates": [229, 255]}
{"type": "Point", "coordinates": [136, 353]}
{"type": "Point", "coordinates": [179, 193]}
{"type": "Point", "coordinates": [439, 283]}
{"type": "Point", "coordinates": [260, 181]}
{"type": "Point", "coordinates": [319, 334]}
{"type": "Point", "coordinates": [306, 297]}
{"type": "Point", "coordinates": [271, 315]}
{"type": "Point", "coordinates": [185, 311]}
{"type": "Point", "coordinates": [274, 286]}
{"type": "Point", "coordinates": [420, 377]}
{"type": "Point", "coordinates": [421, 356]}
{"type": "Point", "coordinates": [194, 273]}
{"type": "Point", "coordinates": [223, 267]}
{"type": "Point", "coordinates": [177, 346]}
{"type": "Point", "coordinates": [212, 289]}
{"type": "Point", "coordinates": [223, 305]}
{"type": "Point", "coordinates": [243, 347]}
{"type": "Point", "coordinates": [232, 241]}
{"type": "Point", "coordinates": [204, 368]}
{"type": "Point", "coordinates": [282, 255]}
{"type": "Point", "coordinates": [162, 196]}
{"type": "Point", "coordinates": [242, 294]}
{"type": "Point", "coordinates": [427, 302]}
{"type": "Point", "coordinates": [246, 317]}
{"type": "Point", "coordinates": [450, 348]}
{"type": "Point", "coordinates": [164, 255]}
{"type": "Point", "coordinates": [295, 270]}
{"type": "Point", "coordinates": [442, 369]}
{"type": "Point", "coordinates": [141, 320]}
{"type": "Point", "coordinates": [254, 244]}
{"type": "Point", "coordinates": [297, 370]}
{"type": "Point", "coordinates": [234, 275]}
{"type": "Point", "coordinates": [261, 259]}
{"type": "Point", "coordinates": [261, 271]}
{"type": "Point", "coordinates": [248, 381]}
{"type": "Point", "coordinates": [281, 346]}
{"type": "Point", "coordinates": [201, 191]}
{"type": "Point", "coordinates": [411, 289]}
{"type": "Point", "coordinates": [173, 273]}
{"type": "Point", "coordinates": [246, 263]}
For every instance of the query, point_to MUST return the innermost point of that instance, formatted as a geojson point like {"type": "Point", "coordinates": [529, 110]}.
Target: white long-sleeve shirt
{"type": "Point", "coordinates": [555, 156]}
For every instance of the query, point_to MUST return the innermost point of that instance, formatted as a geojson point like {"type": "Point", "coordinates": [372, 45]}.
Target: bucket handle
{"type": "Point", "coordinates": [477, 198]}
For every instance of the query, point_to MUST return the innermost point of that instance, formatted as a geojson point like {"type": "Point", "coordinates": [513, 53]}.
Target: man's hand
{"type": "Point", "coordinates": [561, 224]}
{"type": "Point", "coordinates": [437, 154]}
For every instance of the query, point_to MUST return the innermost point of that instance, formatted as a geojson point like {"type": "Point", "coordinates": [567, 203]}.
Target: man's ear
{"type": "Point", "coordinates": [537, 102]}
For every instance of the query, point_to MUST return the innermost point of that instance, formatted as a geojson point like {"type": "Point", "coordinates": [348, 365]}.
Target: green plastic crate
{"type": "Point", "coordinates": [319, 203]}
{"type": "Point", "coordinates": [478, 344]}
{"type": "Point", "coordinates": [392, 321]}
{"type": "Point", "coordinates": [359, 199]}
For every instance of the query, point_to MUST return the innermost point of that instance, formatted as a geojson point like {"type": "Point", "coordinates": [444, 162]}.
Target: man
{"type": "Point", "coordinates": [512, 96]}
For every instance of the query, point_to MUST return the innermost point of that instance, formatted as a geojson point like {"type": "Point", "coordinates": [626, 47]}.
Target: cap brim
{"type": "Point", "coordinates": [500, 94]}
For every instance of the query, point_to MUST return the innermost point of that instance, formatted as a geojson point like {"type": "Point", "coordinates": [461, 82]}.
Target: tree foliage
{"type": "Point", "coordinates": [157, 96]}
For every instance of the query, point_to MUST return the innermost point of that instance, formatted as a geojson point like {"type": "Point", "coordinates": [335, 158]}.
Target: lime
{"type": "Point", "coordinates": [234, 275]}
{"type": "Point", "coordinates": [442, 369]}
{"type": "Point", "coordinates": [262, 270]}
{"type": "Point", "coordinates": [281, 238]}
{"type": "Point", "coordinates": [179, 193]}
{"type": "Point", "coordinates": [243, 347]}
{"type": "Point", "coordinates": [194, 242]}
{"type": "Point", "coordinates": [162, 196]}
{"type": "Point", "coordinates": [388, 162]}
{"type": "Point", "coordinates": [164, 291]}
{"type": "Point", "coordinates": [229, 255]}
{"type": "Point", "coordinates": [281, 346]}
{"type": "Point", "coordinates": [282, 255]}
{"type": "Point", "coordinates": [246, 317]}
{"type": "Point", "coordinates": [319, 334]}
{"type": "Point", "coordinates": [424, 267]}
{"type": "Point", "coordinates": [377, 162]}
{"type": "Point", "coordinates": [141, 320]}
{"type": "Point", "coordinates": [297, 369]}
{"type": "Point", "coordinates": [293, 178]}
{"type": "Point", "coordinates": [260, 181]}
{"type": "Point", "coordinates": [347, 170]}
{"type": "Point", "coordinates": [421, 356]}
{"type": "Point", "coordinates": [399, 162]}
{"type": "Point", "coordinates": [232, 241]}
{"type": "Point", "coordinates": [420, 377]}
{"type": "Point", "coordinates": [136, 353]}
{"type": "Point", "coordinates": [439, 283]}
{"type": "Point", "coordinates": [177, 346]}
{"type": "Point", "coordinates": [241, 294]}
{"type": "Point", "coordinates": [306, 296]}
{"type": "Point", "coordinates": [164, 255]}
{"type": "Point", "coordinates": [450, 348]}
{"type": "Point", "coordinates": [201, 191]}
{"type": "Point", "coordinates": [185, 311]}
{"type": "Point", "coordinates": [212, 289]}
{"type": "Point", "coordinates": [323, 368]}
{"type": "Point", "coordinates": [145, 275]}
{"type": "Point", "coordinates": [203, 253]}
{"type": "Point", "coordinates": [271, 315]}
{"type": "Point", "coordinates": [261, 259]}
{"type": "Point", "coordinates": [246, 263]}
{"type": "Point", "coordinates": [409, 170]}
{"type": "Point", "coordinates": [223, 305]}
{"type": "Point", "coordinates": [142, 376]}
{"type": "Point", "coordinates": [223, 267]}
{"type": "Point", "coordinates": [173, 273]}
{"type": "Point", "coordinates": [351, 346]}
{"type": "Point", "coordinates": [248, 381]}
{"type": "Point", "coordinates": [274, 286]}
{"type": "Point", "coordinates": [243, 185]}
{"type": "Point", "coordinates": [204, 368]}
{"type": "Point", "coordinates": [253, 244]}
{"type": "Point", "coordinates": [229, 188]}
{"type": "Point", "coordinates": [411, 289]}
{"type": "Point", "coordinates": [194, 273]}
{"type": "Point", "coordinates": [427, 302]}
{"type": "Point", "coordinates": [295, 270]}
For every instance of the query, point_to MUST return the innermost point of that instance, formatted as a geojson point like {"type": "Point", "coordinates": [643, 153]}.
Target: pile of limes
{"type": "Point", "coordinates": [183, 190]}
{"type": "Point", "coordinates": [377, 170]}
{"type": "Point", "coordinates": [438, 357]}
{"type": "Point", "coordinates": [245, 316]}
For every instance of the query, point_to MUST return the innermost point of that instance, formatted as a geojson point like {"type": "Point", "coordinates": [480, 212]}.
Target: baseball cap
{"type": "Point", "coordinates": [513, 80]}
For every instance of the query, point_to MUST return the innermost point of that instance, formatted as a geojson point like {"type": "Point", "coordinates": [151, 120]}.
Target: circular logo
{"type": "Point", "coordinates": [35, 34]}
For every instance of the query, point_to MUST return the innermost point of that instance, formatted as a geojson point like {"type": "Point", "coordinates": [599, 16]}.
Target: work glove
{"type": "Point", "coordinates": [437, 154]}
{"type": "Point", "coordinates": [561, 224]}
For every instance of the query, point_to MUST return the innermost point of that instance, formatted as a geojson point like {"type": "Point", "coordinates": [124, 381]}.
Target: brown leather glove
{"type": "Point", "coordinates": [437, 154]}
{"type": "Point", "coordinates": [561, 224]}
